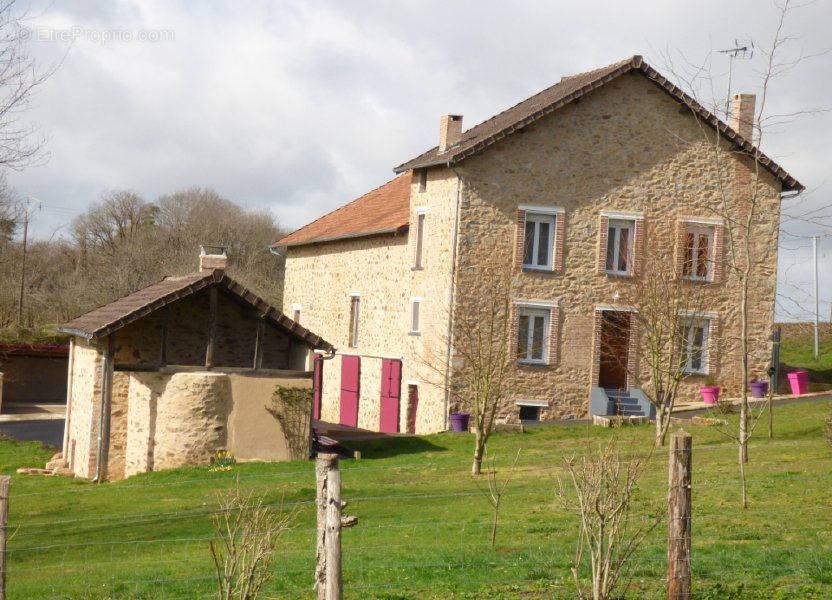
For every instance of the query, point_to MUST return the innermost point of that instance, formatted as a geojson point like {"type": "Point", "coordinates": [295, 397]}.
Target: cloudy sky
{"type": "Point", "coordinates": [300, 106]}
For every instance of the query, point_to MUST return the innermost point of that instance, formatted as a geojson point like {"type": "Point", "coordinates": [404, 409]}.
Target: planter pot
{"type": "Point", "coordinates": [759, 389]}
{"type": "Point", "coordinates": [459, 422]}
{"type": "Point", "coordinates": [710, 394]}
{"type": "Point", "coordinates": [799, 381]}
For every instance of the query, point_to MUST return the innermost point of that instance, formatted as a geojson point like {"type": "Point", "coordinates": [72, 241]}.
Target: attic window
{"type": "Point", "coordinates": [423, 180]}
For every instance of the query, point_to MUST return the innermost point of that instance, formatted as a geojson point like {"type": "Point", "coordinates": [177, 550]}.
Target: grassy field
{"type": "Point", "coordinates": [797, 352]}
{"type": "Point", "coordinates": [424, 522]}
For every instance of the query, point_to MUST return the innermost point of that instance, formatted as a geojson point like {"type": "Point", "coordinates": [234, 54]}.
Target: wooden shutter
{"type": "Point", "coordinates": [638, 245]}
{"type": "Point", "coordinates": [520, 239]}
{"type": "Point", "coordinates": [603, 229]}
{"type": "Point", "coordinates": [391, 380]}
{"type": "Point", "coordinates": [554, 334]}
{"type": "Point", "coordinates": [350, 389]}
{"type": "Point", "coordinates": [718, 270]}
{"type": "Point", "coordinates": [713, 346]}
{"type": "Point", "coordinates": [560, 239]}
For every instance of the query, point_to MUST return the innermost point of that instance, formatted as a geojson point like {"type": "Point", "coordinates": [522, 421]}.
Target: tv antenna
{"type": "Point", "coordinates": [743, 50]}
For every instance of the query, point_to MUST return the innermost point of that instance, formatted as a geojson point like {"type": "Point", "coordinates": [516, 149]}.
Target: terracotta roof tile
{"type": "Point", "coordinates": [567, 90]}
{"type": "Point", "coordinates": [113, 316]}
{"type": "Point", "coordinates": [386, 209]}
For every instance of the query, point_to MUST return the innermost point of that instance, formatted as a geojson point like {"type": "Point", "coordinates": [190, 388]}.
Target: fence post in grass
{"type": "Point", "coordinates": [323, 463]}
{"type": "Point", "coordinates": [679, 513]}
{"type": "Point", "coordinates": [4, 512]}
{"type": "Point", "coordinates": [333, 530]}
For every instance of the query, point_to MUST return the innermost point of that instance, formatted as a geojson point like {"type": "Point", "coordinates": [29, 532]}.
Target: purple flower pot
{"type": "Point", "coordinates": [459, 422]}
{"type": "Point", "coordinates": [759, 389]}
{"type": "Point", "coordinates": [710, 394]}
{"type": "Point", "coordinates": [799, 381]}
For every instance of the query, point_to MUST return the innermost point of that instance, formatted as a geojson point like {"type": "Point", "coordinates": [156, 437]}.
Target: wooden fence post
{"type": "Point", "coordinates": [4, 512]}
{"type": "Point", "coordinates": [323, 465]}
{"type": "Point", "coordinates": [679, 516]}
{"type": "Point", "coordinates": [333, 531]}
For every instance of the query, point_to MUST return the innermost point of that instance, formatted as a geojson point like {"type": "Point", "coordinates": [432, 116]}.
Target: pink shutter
{"type": "Point", "coordinates": [350, 389]}
{"type": "Point", "coordinates": [718, 268]}
{"type": "Point", "coordinates": [713, 346]}
{"type": "Point", "coordinates": [560, 233]}
{"type": "Point", "coordinates": [317, 385]}
{"type": "Point", "coordinates": [391, 378]}
{"type": "Point", "coordinates": [554, 333]}
{"type": "Point", "coordinates": [603, 231]}
{"type": "Point", "coordinates": [638, 246]}
{"type": "Point", "coordinates": [520, 238]}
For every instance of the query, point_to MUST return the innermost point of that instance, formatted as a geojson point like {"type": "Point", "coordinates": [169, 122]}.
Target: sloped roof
{"type": "Point", "coordinates": [569, 89]}
{"type": "Point", "coordinates": [113, 316]}
{"type": "Point", "coordinates": [386, 209]}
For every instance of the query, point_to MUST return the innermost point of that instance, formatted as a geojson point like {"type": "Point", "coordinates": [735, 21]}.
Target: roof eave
{"type": "Point", "coordinates": [345, 236]}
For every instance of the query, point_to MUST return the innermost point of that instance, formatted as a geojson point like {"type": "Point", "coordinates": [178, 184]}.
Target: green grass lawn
{"type": "Point", "coordinates": [797, 351]}
{"type": "Point", "coordinates": [424, 522]}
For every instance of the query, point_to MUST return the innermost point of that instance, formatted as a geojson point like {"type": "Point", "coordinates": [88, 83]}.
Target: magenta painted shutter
{"type": "Point", "coordinates": [350, 387]}
{"type": "Point", "coordinates": [317, 385]}
{"type": "Point", "coordinates": [391, 385]}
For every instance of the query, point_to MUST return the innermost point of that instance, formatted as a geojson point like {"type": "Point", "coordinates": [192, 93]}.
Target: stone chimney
{"type": "Point", "coordinates": [214, 260]}
{"type": "Point", "coordinates": [742, 115]}
{"type": "Point", "coordinates": [450, 131]}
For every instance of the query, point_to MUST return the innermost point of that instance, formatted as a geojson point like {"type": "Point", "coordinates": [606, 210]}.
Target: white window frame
{"type": "Point", "coordinates": [354, 317]}
{"type": "Point", "coordinates": [419, 250]}
{"type": "Point", "coordinates": [537, 215]}
{"type": "Point", "coordinates": [534, 310]}
{"type": "Point", "coordinates": [697, 230]}
{"type": "Point", "coordinates": [689, 323]}
{"type": "Point", "coordinates": [416, 315]}
{"type": "Point", "coordinates": [618, 224]}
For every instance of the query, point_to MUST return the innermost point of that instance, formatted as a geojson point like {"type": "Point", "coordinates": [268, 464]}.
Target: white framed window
{"type": "Point", "coordinates": [695, 345]}
{"type": "Point", "coordinates": [532, 334]}
{"type": "Point", "coordinates": [296, 313]}
{"type": "Point", "coordinates": [698, 264]}
{"type": "Point", "coordinates": [355, 306]}
{"type": "Point", "coordinates": [538, 240]}
{"type": "Point", "coordinates": [620, 235]}
{"type": "Point", "coordinates": [415, 315]}
{"type": "Point", "coordinates": [418, 257]}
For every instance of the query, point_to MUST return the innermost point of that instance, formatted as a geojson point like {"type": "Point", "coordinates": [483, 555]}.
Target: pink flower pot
{"type": "Point", "coordinates": [710, 394]}
{"type": "Point", "coordinates": [799, 381]}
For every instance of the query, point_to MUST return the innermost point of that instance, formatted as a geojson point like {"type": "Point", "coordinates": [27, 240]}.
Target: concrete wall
{"type": "Point", "coordinates": [34, 379]}
{"type": "Point", "coordinates": [624, 147]}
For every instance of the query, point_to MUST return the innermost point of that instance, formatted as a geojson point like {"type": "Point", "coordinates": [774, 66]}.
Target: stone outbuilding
{"type": "Point", "coordinates": [171, 374]}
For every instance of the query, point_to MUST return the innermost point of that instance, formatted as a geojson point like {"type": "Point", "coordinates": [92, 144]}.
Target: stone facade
{"type": "Point", "coordinates": [624, 148]}
{"type": "Point", "coordinates": [86, 401]}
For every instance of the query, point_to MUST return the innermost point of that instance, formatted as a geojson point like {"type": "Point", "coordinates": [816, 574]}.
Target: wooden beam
{"type": "Point", "coordinates": [210, 350]}
{"type": "Point", "coordinates": [258, 345]}
{"type": "Point", "coordinates": [163, 351]}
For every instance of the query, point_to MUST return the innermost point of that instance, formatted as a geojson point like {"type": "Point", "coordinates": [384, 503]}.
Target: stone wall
{"type": "Point", "coordinates": [86, 400]}
{"type": "Point", "coordinates": [625, 147]}
{"type": "Point", "coordinates": [139, 344]}
{"type": "Point", "coordinates": [116, 455]}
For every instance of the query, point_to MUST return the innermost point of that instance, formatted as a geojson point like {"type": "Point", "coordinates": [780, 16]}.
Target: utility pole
{"type": "Point", "coordinates": [817, 310]}
{"type": "Point", "coordinates": [23, 263]}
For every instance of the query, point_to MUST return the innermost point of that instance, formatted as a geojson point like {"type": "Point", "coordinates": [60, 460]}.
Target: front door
{"type": "Point", "coordinates": [615, 341]}
{"type": "Point", "coordinates": [391, 386]}
{"type": "Point", "coordinates": [350, 384]}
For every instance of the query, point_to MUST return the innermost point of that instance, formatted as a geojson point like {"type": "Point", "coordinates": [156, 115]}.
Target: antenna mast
{"type": "Point", "coordinates": [744, 50]}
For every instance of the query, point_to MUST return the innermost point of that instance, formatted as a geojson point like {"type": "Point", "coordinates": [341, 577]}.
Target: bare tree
{"type": "Point", "coordinates": [496, 489]}
{"type": "Point", "coordinates": [665, 306]}
{"type": "Point", "coordinates": [248, 533]}
{"type": "Point", "coordinates": [604, 482]}
{"type": "Point", "coordinates": [744, 198]}
{"type": "Point", "coordinates": [482, 358]}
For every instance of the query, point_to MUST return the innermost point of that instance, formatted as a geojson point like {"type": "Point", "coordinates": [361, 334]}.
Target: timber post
{"type": "Point", "coordinates": [679, 516]}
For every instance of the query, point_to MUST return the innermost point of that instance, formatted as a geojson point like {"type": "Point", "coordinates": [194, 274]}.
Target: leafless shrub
{"type": "Point", "coordinates": [292, 409]}
{"type": "Point", "coordinates": [604, 483]}
{"type": "Point", "coordinates": [248, 533]}
{"type": "Point", "coordinates": [495, 490]}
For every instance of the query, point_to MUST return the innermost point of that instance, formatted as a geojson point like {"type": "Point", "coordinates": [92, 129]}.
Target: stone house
{"type": "Point", "coordinates": [574, 187]}
{"type": "Point", "coordinates": [170, 374]}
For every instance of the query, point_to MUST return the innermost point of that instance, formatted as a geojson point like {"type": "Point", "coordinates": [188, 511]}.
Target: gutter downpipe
{"type": "Point", "coordinates": [452, 295]}
{"type": "Point", "coordinates": [320, 357]}
{"type": "Point", "coordinates": [103, 454]}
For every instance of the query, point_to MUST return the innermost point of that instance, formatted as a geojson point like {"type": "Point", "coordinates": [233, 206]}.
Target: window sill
{"type": "Point", "coordinates": [417, 333]}
{"type": "Point", "coordinates": [417, 268]}
{"type": "Point", "coordinates": [698, 279]}
{"type": "Point", "coordinates": [532, 363]}
{"type": "Point", "coordinates": [533, 269]}
{"type": "Point", "coordinates": [620, 275]}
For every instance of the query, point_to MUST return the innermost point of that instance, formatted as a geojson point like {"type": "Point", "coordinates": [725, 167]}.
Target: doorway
{"type": "Point", "coordinates": [615, 342]}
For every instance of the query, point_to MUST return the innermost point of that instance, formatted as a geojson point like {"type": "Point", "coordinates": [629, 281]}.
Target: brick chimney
{"type": "Point", "coordinates": [742, 115]}
{"type": "Point", "coordinates": [450, 131]}
{"type": "Point", "coordinates": [212, 258]}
